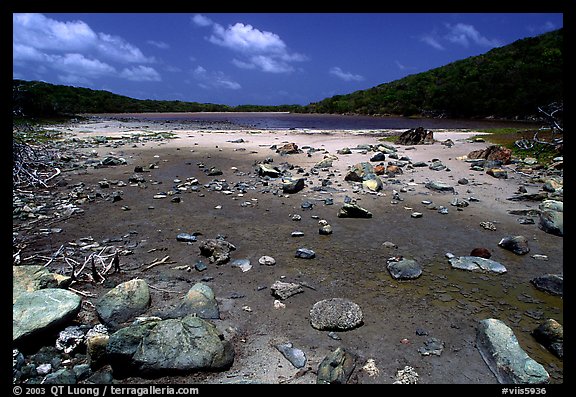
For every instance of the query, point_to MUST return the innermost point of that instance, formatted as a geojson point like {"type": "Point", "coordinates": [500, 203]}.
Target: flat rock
{"type": "Point", "coordinates": [305, 253]}
{"type": "Point", "coordinates": [405, 269]}
{"type": "Point", "coordinates": [439, 186]}
{"type": "Point", "coordinates": [473, 263]}
{"type": "Point", "coordinates": [296, 356]}
{"type": "Point", "coordinates": [40, 311]}
{"type": "Point", "coordinates": [283, 290]}
{"type": "Point", "coordinates": [516, 244]}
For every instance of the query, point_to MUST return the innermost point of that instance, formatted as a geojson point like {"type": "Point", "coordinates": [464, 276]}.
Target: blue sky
{"type": "Point", "coordinates": [256, 58]}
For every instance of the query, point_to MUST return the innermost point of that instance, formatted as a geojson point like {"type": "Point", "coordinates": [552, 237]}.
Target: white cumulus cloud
{"type": "Point", "coordinates": [210, 80]}
{"type": "Point", "coordinates": [74, 51]}
{"type": "Point", "coordinates": [260, 50]}
{"type": "Point", "coordinates": [346, 76]}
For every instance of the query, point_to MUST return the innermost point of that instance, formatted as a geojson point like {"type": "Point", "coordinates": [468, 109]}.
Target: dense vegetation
{"type": "Point", "coordinates": [506, 82]}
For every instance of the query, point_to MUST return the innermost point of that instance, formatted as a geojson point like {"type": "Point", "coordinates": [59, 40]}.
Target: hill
{"type": "Point", "coordinates": [506, 82]}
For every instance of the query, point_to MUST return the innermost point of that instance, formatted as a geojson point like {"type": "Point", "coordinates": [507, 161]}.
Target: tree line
{"type": "Point", "coordinates": [506, 82]}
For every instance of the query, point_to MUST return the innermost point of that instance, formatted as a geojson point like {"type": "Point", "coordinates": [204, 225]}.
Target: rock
{"type": "Point", "coordinates": [463, 181]}
{"type": "Point", "coordinates": [529, 197]}
{"type": "Point", "coordinates": [62, 376]}
{"type": "Point", "coordinates": [283, 290]}
{"type": "Point", "coordinates": [516, 244]}
{"type": "Point", "coordinates": [360, 172]}
{"type": "Point", "coordinates": [165, 347]}
{"type": "Point", "coordinates": [389, 244]}
{"type": "Point", "coordinates": [96, 343]}
{"type": "Point", "coordinates": [375, 184]}
{"type": "Point", "coordinates": [264, 170]}
{"type": "Point", "coordinates": [344, 150]}
{"type": "Point", "coordinates": [216, 250]}
{"type": "Point", "coordinates": [499, 173]}
{"type": "Point", "coordinates": [550, 334]}
{"type": "Point", "coordinates": [296, 356]}
{"type": "Point", "coordinates": [481, 252]}
{"type": "Point", "coordinates": [70, 338]}
{"type": "Point", "coordinates": [492, 153]}
{"type": "Point", "coordinates": [439, 186]}
{"type": "Point", "coordinates": [473, 263]}
{"type": "Point", "coordinates": [416, 215]}
{"type": "Point", "coordinates": [393, 170]}
{"type": "Point", "coordinates": [28, 278]}
{"type": "Point", "coordinates": [112, 160]}
{"type": "Point", "coordinates": [456, 202]}
{"type": "Point", "coordinates": [336, 367]}
{"type": "Point", "coordinates": [378, 157]}
{"type": "Point", "coordinates": [551, 205]}
{"type": "Point", "coordinates": [326, 162]}
{"type": "Point", "coordinates": [213, 171]}
{"type": "Point", "coordinates": [416, 136]}
{"type": "Point", "coordinates": [267, 260]}
{"type": "Point", "coordinates": [552, 222]}
{"type": "Point", "coordinates": [123, 303]}
{"type": "Point", "coordinates": [243, 264]}
{"type": "Point", "coordinates": [292, 185]}
{"type": "Point", "coordinates": [38, 312]}
{"type": "Point", "coordinates": [405, 269]}
{"type": "Point", "coordinates": [432, 346]}
{"type": "Point", "coordinates": [199, 301]}
{"type": "Point", "coordinates": [289, 148]}
{"type": "Point", "coordinates": [324, 227]}
{"type": "Point", "coordinates": [551, 283]}
{"type": "Point", "coordinates": [406, 376]}
{"type": "Point", "coordinates": [437, 166]}
{"type": "Point", "coordinates": [353, 211]}
{"type": "Point", "coordinates": [305, 253]}
{"type": "Point", "coordinates": [502, 353]}
{"type": "Point", "coordinates": [336, 314]}
{"type": "Point", "coordinates": [186, 237]}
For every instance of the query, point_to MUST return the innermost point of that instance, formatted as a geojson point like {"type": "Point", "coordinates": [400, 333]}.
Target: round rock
{"type": "Point", "coordinates": [336, 314]}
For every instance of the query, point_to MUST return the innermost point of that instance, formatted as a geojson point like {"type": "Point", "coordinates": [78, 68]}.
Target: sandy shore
{"type": "Point", "coordinates": [350, 263]}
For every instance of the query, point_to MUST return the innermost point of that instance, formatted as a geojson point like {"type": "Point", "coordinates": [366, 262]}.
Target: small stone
{"type": "Point", "coordinates": [305, 253]}
{"type": "Point", "coordinates": [267, 260]}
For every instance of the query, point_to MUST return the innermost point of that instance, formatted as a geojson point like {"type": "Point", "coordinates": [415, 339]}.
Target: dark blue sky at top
{"type": "Point", "coordinates": [257, 58]}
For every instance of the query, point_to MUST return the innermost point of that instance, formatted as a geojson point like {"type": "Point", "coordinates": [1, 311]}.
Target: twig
{"type": "Point", "coordinates": [165, 290]}
{"type": "Point", "coordinates": [159, 262]}
{"type": "Point", "coordinates": [85, 294]}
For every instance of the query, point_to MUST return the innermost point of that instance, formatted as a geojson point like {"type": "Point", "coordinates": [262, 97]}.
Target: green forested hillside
{"type": "Point", "coordinates": [506, 82]}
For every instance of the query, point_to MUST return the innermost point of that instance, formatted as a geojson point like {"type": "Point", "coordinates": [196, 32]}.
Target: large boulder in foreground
{"type": "Point", "coordinates": [41, 311]}
{"type": "Point", "coordinates": [502, 353]}
{"type": "Point", "coordinates": [168, 347]}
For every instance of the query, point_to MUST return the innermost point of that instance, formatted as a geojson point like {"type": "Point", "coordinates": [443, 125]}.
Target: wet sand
{"type": "Point", "coordinates": [445, 303]}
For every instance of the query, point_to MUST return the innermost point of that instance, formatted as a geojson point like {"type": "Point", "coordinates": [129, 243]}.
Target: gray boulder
{"type": "Point", "coordinates": [41, 311]}
{"type": "Point", "coordinates": [473, 263]}
{"type": "Point", "coordinates": [551, 205]}
{"type": "Point", "coordinates": [292, 185]}
{"type": "Point", "coordinates": [336, 314]}
{"type": "Point", "coordinates": [166, 347]}
{"type": "Point", "coordinates": [516, 244]}
{"type": "Point", "coordinates": [551, 283]}
{"type": "Point", "coordinates": [360, 172]}
{"type": "Point", "coordinates": [336, 367]}
{"type": "Point", "coordinates": [296, 356]}
{"type": "Point", "coordinates": [502, 353]}
{"type": "Point", "coordinates": [123, 302]}
{"type": "Point", "coordinates": [550, 334]}
{"type": "Point", "coordinates": [265, 170]}
{"type": "Point", "coordinates": [405, 269]}
{"type": "Point", "coordinates": [552, 222]}
{"type": "Point", "coordinates": [200, 301]}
